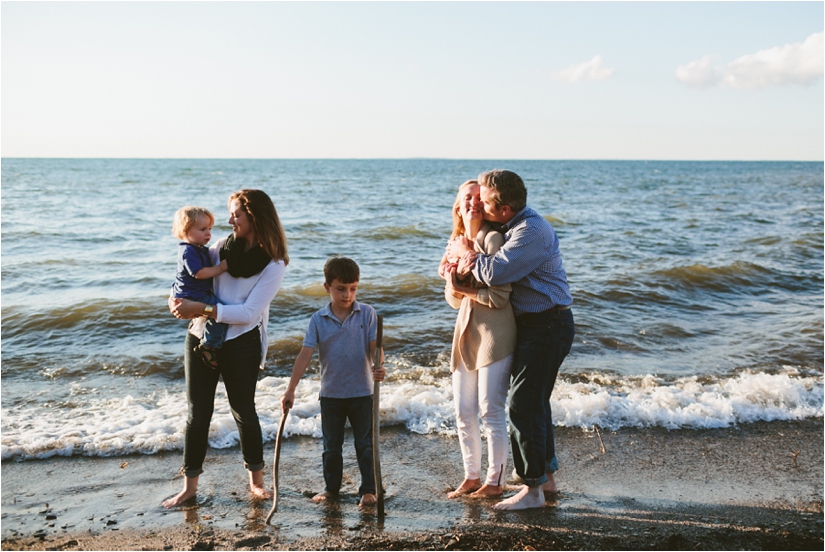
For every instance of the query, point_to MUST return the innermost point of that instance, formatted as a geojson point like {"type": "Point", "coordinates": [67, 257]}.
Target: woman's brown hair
{"type": "Point", "coordinates": [458, 222]}
{"type": "Point", "coordinates": [265, 222]}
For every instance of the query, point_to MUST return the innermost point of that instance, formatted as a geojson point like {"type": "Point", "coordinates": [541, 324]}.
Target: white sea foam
{"type": "Point", "coordinates": [615, 402]}
{"type": "Point", "coordinates": [107, 427]}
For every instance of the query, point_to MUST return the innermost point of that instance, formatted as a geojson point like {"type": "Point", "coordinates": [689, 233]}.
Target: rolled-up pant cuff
{"type": "Point", "coordinates": [550, 467]}
{"type": "Point", "coordinates": [254, 467]}
{"type": "Point", "coordinates": [530, 481]}
{"type": "Point", "coordinates": [191, 473]}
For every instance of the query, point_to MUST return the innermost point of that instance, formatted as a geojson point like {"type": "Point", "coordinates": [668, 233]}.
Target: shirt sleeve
{"type": "Point", "coordinates": [453, 301]}
{"type": "Point", "coordinates": [495, 297]}
{"type": "Point", "coordinates": [258, 300]}
{"type": "Point", "coordinates": [519, 256]}
{"type": "Point", "coordinates": [311, 337]}
{"type": "Point", "coordinates": [192, 260]}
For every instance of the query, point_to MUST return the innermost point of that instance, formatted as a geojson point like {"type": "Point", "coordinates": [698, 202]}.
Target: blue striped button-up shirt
{"type": "Point", "coordinates": [529, 260]}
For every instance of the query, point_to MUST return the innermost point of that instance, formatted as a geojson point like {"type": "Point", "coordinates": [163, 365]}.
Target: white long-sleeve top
{"type": "Point", "coordinates": [244, 302]}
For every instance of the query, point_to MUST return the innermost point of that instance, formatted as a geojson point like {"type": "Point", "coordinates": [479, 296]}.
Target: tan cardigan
{"type": "Point", "coordinates": [485, 330]}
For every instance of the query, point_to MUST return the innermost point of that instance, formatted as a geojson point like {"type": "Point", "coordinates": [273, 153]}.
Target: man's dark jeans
{"type": "Point", "coordinates": [334, 414]}
{"type": "Point", "coordinates": [544, 339]}
{"type": "Point", "coordinates": [238, 364]}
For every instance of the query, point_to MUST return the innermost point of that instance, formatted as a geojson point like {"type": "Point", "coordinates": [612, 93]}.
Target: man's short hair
{"type": "Point", "coordinates": [343, 269]}
{"type": "Point", "coordinates": [508, 186]}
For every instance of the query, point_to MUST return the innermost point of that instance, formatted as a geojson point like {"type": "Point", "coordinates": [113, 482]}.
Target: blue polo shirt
{"type": "Point", "coordinates": [344, 350]}
{"type": "Point", "coordinates": [191, 259]}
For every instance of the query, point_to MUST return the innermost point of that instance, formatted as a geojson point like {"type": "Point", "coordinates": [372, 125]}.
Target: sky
{"type": "Point", "coordinates": [459, 80]}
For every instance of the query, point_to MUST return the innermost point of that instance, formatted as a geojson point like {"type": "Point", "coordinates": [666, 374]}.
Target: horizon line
{"type": "Point", "coordinates": [422, 159]}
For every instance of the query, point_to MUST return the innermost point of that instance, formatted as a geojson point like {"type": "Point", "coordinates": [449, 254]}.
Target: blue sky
{"type": "Point", "coordinates": [535, 80]}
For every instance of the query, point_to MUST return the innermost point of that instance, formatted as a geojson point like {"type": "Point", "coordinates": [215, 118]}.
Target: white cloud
{"type": "Point", "coordinates": [699, 73]}
{"type": "Point", "coordinates": [800, 63]}
{"type": "Point", "coordinates": [589, 70]}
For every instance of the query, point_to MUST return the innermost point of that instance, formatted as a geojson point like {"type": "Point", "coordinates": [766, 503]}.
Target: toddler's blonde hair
{"type": "Point", "coordinates": [187, 217]}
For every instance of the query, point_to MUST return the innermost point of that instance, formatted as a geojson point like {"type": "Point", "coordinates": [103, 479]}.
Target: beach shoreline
{"type": "Point", "coordinates": [723, 489]}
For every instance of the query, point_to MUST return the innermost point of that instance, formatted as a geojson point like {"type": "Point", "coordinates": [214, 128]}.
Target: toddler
{"type": "Point", "coordinates": [193, 280]}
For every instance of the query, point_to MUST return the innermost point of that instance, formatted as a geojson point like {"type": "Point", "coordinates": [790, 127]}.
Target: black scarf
{"type": "Point", "coordinates": [243, 264]}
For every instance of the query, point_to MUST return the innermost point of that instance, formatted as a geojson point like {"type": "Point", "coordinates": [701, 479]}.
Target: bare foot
{"type": "Point", "coordinates": [256, 485]}
{"type": "Point", "coordinates": [178, 499]}
{"type": "Point", "coordinates": [527, 497]}
{"type": "Point", "coordinates": [260, 492]}
{"type": "Point", "coordinates": [367, 500]}
{"type": "Point", "coordinates": [320, 497]}
{"type": "Point", "coordinates": [466, 487]}
{"type": "Point", "coordinates": [190, 489]}
{"type": "Point", "coordinates": [487, 491]}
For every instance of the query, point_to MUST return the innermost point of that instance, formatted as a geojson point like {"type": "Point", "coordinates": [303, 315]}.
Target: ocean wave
{"type": "Point", "coordinates": [75, 322]}
{"type": "Point", "coordinates": [92, 425]}
{"type": "Point", "coordinates": [669, 285]}
{"type": "Point", "coordinates": [404, 287]}
{"type": "Point", "coordinates": [700, 272]}
{"type": "Point", "coordinates": [396, 233]}
{"type": "Point", "coordinates": [557, 222]}
{"type": "Point", "coordinates": [299, 294]}
{"type": "Point", "coordinates": [812, 240]}
{"type": "Point", "coordinates": [306, 299]}
{"type": "Point", "coordinates": [615, 402]}
{"type": "Point", "coordinates": [729, 277]}
{"type": "Point", "coordinates": [170, 366]}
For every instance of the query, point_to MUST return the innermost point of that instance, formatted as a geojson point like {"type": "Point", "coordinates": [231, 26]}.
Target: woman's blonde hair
{"type": "Point", "coordinates": [265, 222]}
{"type": "Point", "coordinates": [187, 217]}
{"type": "Point", "coordinates": [458, 222]}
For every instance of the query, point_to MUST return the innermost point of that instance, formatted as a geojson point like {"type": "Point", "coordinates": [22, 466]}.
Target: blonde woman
{"type": "Point", "coordinates": [482, 352]}
{"type": "Point", "coordinates": [257, 255]}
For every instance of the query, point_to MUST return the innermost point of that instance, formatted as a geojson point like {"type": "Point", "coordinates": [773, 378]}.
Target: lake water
{"type": "Point", "coordinates": [697, 286]}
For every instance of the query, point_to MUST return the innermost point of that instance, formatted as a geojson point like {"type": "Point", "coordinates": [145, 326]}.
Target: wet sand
{"type": "Point", "coordinates": [736, 488]}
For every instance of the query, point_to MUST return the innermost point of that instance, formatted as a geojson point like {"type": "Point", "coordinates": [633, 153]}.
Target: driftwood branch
{"type": "Point", "coordinates": [275, 463]}
{"type": "Point", "coordinates": [600, 438]}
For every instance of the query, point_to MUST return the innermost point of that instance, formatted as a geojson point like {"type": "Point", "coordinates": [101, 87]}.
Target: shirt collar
{"type": "Point", "coordinates": [199, 247]}
{"type": "Point", "coordinates": [327, 311]}
{"type": "Point", "coordinates": [518, 217]}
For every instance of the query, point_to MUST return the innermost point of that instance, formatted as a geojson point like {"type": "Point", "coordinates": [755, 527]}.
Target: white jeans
{"type": "Point", "coordinates": [482, 392]}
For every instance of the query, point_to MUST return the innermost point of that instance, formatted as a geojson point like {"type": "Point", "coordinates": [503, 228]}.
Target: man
{"type": "Point", "coordinates": [530, 261]}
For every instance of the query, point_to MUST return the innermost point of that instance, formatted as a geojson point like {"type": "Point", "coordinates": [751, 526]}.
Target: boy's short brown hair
{"type": "Point", "coordinates": [187, 217]}
{"type": "Point", "coordinates": [508, 187]}
{"type": "Point", "coordinates": [343, 269]}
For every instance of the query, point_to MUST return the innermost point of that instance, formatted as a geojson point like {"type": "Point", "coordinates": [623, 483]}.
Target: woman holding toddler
{"type": "Point", "coordinates": [256, 252]}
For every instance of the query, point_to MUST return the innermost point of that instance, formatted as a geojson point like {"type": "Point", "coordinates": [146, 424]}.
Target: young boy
{"type": "Point", "coordinates": [344, 333]}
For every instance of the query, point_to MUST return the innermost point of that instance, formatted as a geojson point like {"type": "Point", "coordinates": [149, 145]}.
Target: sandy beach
{"type": "Point", "coordinates": [723, 489]}
{"type": "Point", "coordinates": [665, 181]}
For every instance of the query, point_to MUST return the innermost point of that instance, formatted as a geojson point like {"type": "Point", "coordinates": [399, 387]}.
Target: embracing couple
{"type": "Point", "coordinates": [504, 273]}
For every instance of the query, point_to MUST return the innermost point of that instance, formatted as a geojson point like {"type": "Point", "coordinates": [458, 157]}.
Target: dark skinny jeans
{"type": "Point", "coordinates": [334, 415]}
{"type": "Point", "coordinates": [238, 365]}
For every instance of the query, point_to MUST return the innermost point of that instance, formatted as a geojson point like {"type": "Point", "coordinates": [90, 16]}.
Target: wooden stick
{"type": "Point", "coordinates": [376, 421]}
{"type": "Point", "coordinates": [600, 439]}
{"type": "Point", "coordinates": [275, 466]}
